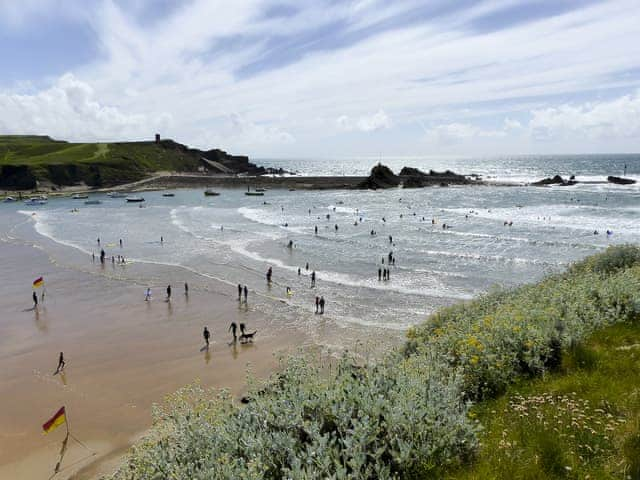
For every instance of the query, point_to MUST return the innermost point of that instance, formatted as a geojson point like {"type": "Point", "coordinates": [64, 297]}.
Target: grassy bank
{"type": "Point", "coordinates": [28, 160]}
{"type": "Point", "coordinates": [582, 421]}
{"type": "Point", "coordinates": [408, 415]}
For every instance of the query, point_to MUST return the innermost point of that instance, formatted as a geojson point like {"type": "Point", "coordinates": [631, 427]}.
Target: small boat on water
{"type": "Point", "coordinates": [9, 200]}
{"type": "Point", "coordinates": [39, 200]}
{"type": "Point", "coordinates": [168, 194]}
{"type": "Point", "coordinates": [211, 193]}
{"type": "Point", "coordinates": [116, 195]}
{"type": "Point", "coordinates": [258, 192]}
{"type": "Point", "coordinates": [79, 196]}
{"type": "Point", "coordinates": [134, 199]}
{"type": "Point", "coordinates": [92, 202]}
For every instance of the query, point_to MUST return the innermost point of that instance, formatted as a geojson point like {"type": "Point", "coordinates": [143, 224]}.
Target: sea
{"type": "Point", "coordinates": [495, 237]}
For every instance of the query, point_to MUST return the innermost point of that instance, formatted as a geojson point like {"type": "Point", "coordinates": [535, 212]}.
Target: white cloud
{"type": "Point", "coordinates": [365, 123]}
{"type": "Point", "coordinates": [451, 133]}
{"type": "Point", "coordinates": [69, 110]}
{"type": "Point", "coordinates": [510, 124]}
{"type": "Point", "coordinates": [425, 71]}
{"type": "Point", "coordinates": [614, 119]}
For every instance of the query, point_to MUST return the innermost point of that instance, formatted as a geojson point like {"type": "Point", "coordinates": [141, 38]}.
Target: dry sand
{"type": "Point", "coordinates": [123, 354]}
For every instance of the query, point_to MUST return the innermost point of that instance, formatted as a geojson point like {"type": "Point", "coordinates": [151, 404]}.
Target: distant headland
{"type": "Point", "coordinates": [29, 162]}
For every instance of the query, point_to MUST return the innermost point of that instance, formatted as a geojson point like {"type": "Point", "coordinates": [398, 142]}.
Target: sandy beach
{"type": "Point", "coordinates": [123, 354]}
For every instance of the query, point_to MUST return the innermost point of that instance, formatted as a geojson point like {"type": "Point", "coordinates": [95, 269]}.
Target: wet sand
{"type": "Point", "coordinates": [123, 354]}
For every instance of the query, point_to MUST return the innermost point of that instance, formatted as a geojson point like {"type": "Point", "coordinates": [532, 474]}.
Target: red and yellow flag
{"type": "Point", "coordinates": [38, 282]}
{"type": "Point", "coordinates": [58, 419]}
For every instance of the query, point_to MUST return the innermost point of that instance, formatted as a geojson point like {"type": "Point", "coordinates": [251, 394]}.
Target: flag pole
{"type": "Point", "coordinates": [72, 436]}
{"type": "Point", "coordinates": [66, 420]}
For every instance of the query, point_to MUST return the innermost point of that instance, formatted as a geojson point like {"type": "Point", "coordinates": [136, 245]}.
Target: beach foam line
{"type": "Point", "coordinates": [347, 280]}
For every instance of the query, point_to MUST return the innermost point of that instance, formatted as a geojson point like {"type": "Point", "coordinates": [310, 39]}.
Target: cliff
{"type": "Point", "coordinates": [28, 162]}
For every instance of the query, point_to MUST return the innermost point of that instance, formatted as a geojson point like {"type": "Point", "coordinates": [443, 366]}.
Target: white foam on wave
{"type": "Point", "coordinates": [494, 258]}
{"type": "Point", "coordinates": [348, 280]}
{"type": "Point", "coordinates": [43, 228]}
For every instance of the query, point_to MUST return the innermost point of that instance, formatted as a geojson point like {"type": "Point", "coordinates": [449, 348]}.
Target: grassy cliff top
{"type": "Point", "coordinates": [29, 160]}
{"type": "Point", "coordinates": [41, 151]}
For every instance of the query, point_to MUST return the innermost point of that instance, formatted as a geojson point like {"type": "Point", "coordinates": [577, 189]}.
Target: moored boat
{"type": "Point", "coordinates": [92, 202]}
{"type": "Point", "coordinates": [9, 200]}
{"type": "Point", "coordinates": [116, 195]}
{"type": "Point", "coordinates": [168, 194]}
{"type": "Point", "coordinates": [134, 199]}
{"type": "Point", "coordinates": [39, 200]}
{"type": "Point", "coordinates": [254, 194]}
{"type": "Point", "coordinates": [79, 196]}
{"type": "Point", "coordinates": [211, 193]}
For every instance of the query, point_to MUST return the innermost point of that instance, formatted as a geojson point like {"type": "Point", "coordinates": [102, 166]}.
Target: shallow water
{"type": "Point", "coordinates": [235, 238]}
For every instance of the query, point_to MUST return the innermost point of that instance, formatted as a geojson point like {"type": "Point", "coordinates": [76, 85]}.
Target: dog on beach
{"type": "Point", "coordinates": [247, 337]}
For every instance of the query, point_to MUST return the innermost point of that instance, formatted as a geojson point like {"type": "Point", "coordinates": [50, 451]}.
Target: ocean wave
{"type": "Point", "coordinates": [348, 280]}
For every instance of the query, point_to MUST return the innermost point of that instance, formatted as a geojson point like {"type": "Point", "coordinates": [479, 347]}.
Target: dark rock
{"type": "Point", "coordinates": [17, 177]}
{"type": "Point", "coordinates": [381, 177]}
{"type": "Point", "coordinates": [556, 180]}
{"type": "Point", "coordinates": [414, 178]}
{"type": "Point", "coordinates": [620, 180]}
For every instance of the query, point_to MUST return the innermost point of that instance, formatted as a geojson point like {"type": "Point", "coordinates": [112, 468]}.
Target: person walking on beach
{"type": "Point", "coordinates": [321, 305]}
{"type": "Point", "coordinates": [317, 303]}
{"type": "Point", "coordinates": [239, 292]}
{"type": "Point", "coordinates": [186, 289]}
{"type": "Point", "coordinates": [35, 300]}
{"type": "Point", "coordinates": [379, 274]}
{"type": "Point", "coordinates": [102, 255]}
{"type": "Point", "coordinates": [313, 279]}
{"type": "Point", "coordinates": [120, 243]}
{"type": "Point", "coordinates": [206, 336]}
{"type": "Point", "coordinates": [242, 327]}
{"type": "Point", "coordinates": [246, 293]}
{"type": "Point", "coordinates": [161, 240]}
{"type": "Point", "coordinates": [298, 271]}
{"type": "Point", "coordinates": [316, 229]}
{"type": "Point", "coordinates": [306, 267]}
{"type": "Point", "coordinates": [93, 257]}
{"type": "Point", "coordinates": [61, 363]}
{"type": "Point", "coordinates": [98, 240]}
{"type": "Point", "coordinates": [168, 293]}
{"type": "Point", "coordinates": [388, 274]}
{"type": "Point", "coordinates": [269, 274]}
{"type": "Point", "coordinates": [232, 328]}
{"type": "Point", "coordinates": [147, 294]}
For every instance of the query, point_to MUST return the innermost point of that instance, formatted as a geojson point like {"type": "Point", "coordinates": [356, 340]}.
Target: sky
{"type": "Point", "coordinates": [327, 78]}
